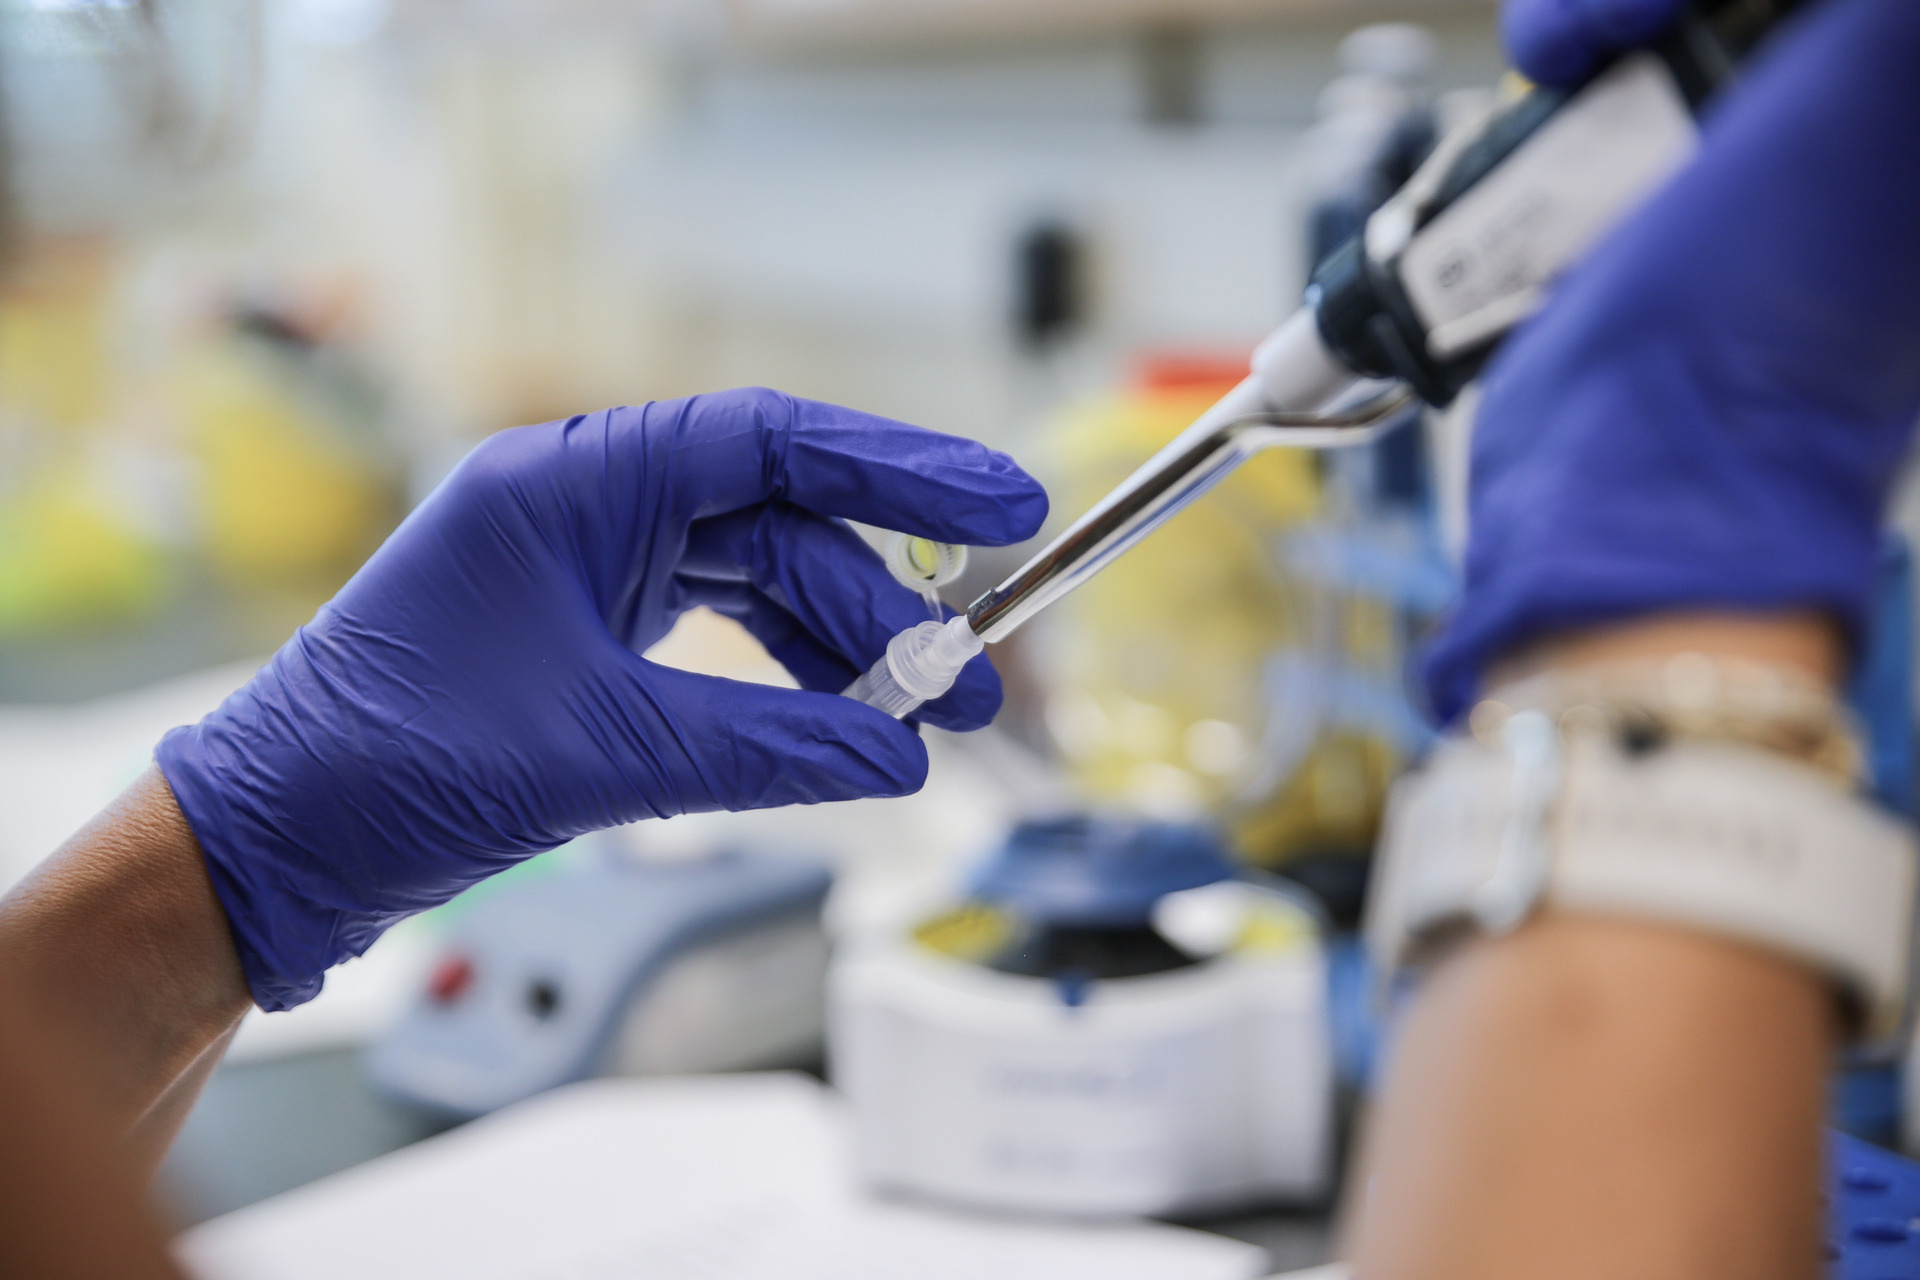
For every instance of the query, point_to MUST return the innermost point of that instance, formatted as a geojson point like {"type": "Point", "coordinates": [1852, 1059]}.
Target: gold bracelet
{"type": "Point", "coordinates": [1644, 703]}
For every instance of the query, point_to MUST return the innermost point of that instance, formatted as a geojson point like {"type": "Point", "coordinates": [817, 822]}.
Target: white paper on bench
{"type": "Point", "coordinates": [717, 1178]}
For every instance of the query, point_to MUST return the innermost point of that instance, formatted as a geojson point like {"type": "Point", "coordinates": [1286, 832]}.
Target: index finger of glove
{"type": "Point", "coordinates": [1561, 42]}
{"type": "Point", "coordinates": [818, 573]}
{"type": "Point", "coordinates": [735, 449]}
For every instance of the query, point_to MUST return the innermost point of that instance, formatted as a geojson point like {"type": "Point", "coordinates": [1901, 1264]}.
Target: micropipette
{"type": "Point", "coordinates": [1291, 367]}
{"type": "Point", "coordinates": [1415, 303]}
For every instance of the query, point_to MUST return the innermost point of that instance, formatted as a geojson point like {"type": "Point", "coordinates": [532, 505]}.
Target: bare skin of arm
{"type": "Point", "coordinates": [117, 944]}
{"type": "Point", "coordinates": [1590, 1097]}
{"type": "Point", "coordinates": [70, 1199]}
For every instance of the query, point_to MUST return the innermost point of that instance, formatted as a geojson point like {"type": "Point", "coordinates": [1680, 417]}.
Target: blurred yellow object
{"type": "Point", "coordinates": [1275, 928]}
{"type": "Point", "coordinates": [1332, 803]}
{"type": "Point", "coordinates": [1173, 634]}
{"type": "Point", "coordinates": [66, 560]}
{"type": "Point", "coordinates": [282, 498]}
{"type": "Point", "coordinates": [1159, 666]}
{"type": "Point", "coordinates": [974, 932]}
{"type": "Point", "coordinates": [69, 557]}
{"type": "Point", "coordinates": [131, 444]}
{"type": "Point", "coordinates": [54, 372]}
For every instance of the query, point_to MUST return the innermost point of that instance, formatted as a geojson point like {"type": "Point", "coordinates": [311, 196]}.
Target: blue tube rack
{"type": "Point", "coordinates": [1873, 1212]}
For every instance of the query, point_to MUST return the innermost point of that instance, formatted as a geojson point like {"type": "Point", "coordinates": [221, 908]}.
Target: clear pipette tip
{"type": "Point", "coordinates": [920, 664]}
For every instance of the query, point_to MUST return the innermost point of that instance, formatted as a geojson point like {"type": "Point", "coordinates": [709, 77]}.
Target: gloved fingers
{"type": "Point", "coordinates": [712, 743]}
{"type": "Point", "coordinates": [1561, 42]}
{"type": "Point", "coordinates": [819, 572]}
{"type": "Point", "coordinates": [1709, 412]}
{"type": "Point", "coordinates": [740, 448]}
{"type": "Point", "coordinates": [813, 664]}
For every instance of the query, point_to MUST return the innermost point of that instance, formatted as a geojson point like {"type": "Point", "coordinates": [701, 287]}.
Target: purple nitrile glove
{"type": "Point", "coordinates": [1562, 42]}
{"type": "Point", "coordinates": [475, 694]}
{"type": "Point", "coordinates": [1710, 411]}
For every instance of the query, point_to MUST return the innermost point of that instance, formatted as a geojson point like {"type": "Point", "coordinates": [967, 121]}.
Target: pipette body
{"type": "Point", "coordinates": [1417, 302]}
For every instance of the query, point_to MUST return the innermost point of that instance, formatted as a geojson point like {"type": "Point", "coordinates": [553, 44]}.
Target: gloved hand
{"type": "Point", "coordinates": [475, 694]}
{"type": "Point", "coordinates": [1710, 411]}
{"type": "Point", "coordinates": [1562, 42]}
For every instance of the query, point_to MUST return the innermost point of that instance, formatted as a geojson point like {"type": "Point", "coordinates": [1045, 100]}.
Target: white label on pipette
{"type": "Point", "coordinates": [1485, 262]}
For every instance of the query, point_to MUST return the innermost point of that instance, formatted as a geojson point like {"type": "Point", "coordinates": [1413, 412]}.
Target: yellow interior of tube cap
{"type": "Point", "coordinates": [922, 557]}
{"type": "Point", "coordinates": [921, 564]}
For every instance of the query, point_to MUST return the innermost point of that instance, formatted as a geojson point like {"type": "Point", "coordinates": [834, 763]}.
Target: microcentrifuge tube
{"type": "Point", "coordinates": [924, 566]}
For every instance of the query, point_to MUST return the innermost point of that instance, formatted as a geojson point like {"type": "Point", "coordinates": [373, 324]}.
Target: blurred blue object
{"type": "Point", "coordinates": [1863, 1100]}
{"type": "Point", "coordinates": [1561, 42]}
{"type": "Point", "coordinates": [1098, 871]}
{"type": "Point", "coordinates": [1353, 1018]}
{"type": "Point", "coordinates": [1386, 562]}
{"type": "Point", "coordinates": [1874, 1201]}
{"type": "Point", "coordinates": [616, 967]}
{"type": "Point", "coordinates": [1882, 690]}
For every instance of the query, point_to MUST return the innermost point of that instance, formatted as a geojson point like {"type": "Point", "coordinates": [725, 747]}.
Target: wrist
{"type": "Point", "coordinates": [1806, 642]}
{"type": "Point", "coordinates": [295, 828]}
{"type": "Point", "coordinates": [119, 939]}
{"type": "Point", "coordinates": [1633, 775]}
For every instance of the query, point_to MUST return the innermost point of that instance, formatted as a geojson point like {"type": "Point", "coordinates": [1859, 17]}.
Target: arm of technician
{"type": "Point", "coordinates": [1691, 450]}
{"type": "Point", "coordinates": [476, 695]}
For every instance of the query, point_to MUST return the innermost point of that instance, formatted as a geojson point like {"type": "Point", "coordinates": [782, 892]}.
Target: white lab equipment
{"type": "Point", "coordinates": [616, 967]}
{"type": "Point", "coordinates": [1111, 1027]}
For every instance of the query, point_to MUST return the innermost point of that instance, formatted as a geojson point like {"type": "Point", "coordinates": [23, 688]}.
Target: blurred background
{"type": "Point", "coordinates": [273, 266]}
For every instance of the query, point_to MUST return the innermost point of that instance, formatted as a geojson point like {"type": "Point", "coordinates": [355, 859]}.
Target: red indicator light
{"type": "Point", "coordinates": [451, 980]}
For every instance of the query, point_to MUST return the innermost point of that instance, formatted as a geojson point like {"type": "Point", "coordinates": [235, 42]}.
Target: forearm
{"type": "Point", "coordinates": [1598, 1097]}
{"type": "Point", "coordinates": [70, 1195]}
{"type": "Point", "coordinates": [120, 948]}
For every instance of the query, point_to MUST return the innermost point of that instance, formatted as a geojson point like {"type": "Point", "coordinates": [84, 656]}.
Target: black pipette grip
{"type": "Point", "coordinates": [1360, 300]}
